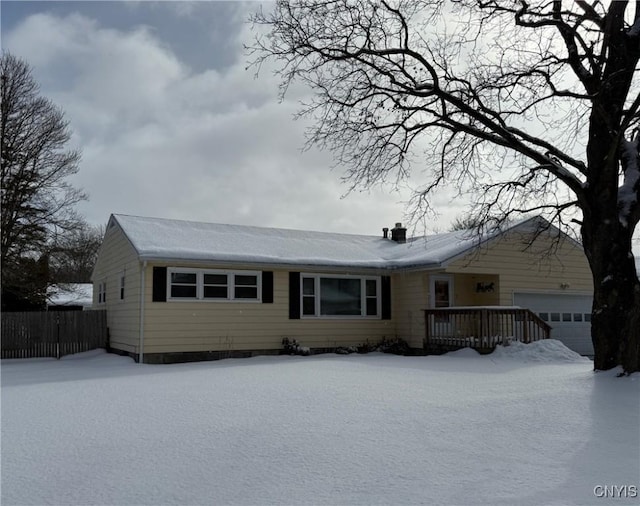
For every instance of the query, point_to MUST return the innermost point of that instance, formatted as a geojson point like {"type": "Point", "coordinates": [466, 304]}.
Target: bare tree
{"type": "Point", "coordinates": [467, 222]}
{"type": "Point", "coordinates": [37, 199]}
{"type": "Point", "coordinates": [529, 108]}
{"type": "Point", "coordinates": [73, 254]}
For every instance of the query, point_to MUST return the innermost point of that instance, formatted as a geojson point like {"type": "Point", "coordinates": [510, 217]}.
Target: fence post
{"type": "Point", "coordinates": [484, 326]}
{"type": "Point", "coordinates": [58, 336]}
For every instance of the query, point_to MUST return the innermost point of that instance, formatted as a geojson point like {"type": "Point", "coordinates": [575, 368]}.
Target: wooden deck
{"type": "Point", "coordinates": [481, 328]}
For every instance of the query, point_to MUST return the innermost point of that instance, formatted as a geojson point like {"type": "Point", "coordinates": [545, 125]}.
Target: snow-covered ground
{"type": "Point", "coordinates": [528, 425]}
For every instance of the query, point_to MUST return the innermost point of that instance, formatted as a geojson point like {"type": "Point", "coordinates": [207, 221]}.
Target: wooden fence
{"type": "Point", "coordinates": [52, 333]}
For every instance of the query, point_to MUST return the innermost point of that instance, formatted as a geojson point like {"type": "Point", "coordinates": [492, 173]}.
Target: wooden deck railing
{"type": "Point", "coordinates": [482, 327]}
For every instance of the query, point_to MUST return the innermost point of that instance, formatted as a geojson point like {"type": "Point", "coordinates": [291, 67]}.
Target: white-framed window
{"type": "Point", "coordinates": [213, 285]}
{"type": "Point", "coordinates": [340, 296]}
{"type": "Point", "coordinates": [102, 292]}
{"type": "Point", "coordinates": [245, 286]}
{"type": "Point", "coordinates": [183, 284]}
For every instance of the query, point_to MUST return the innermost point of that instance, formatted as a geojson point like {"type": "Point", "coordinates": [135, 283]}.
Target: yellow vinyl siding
{"type": "Point", "coordinates": [466, 290]}
{"type": "Point", "coordinates": [210, 325]}
{"type": "Point", "coordinates": [506, 263]}
{"type": "Point", "coordinates": [410, 296]}
{"type": "Point", "coordinates": [117, 257]}
{"type": "Point", "coordinates": [178, 326]}
{"type": "Point", "coordinates": [543, 267]}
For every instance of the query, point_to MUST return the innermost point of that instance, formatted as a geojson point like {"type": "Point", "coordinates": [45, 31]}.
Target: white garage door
{"type": "Point", "coordinates": [568, 315]}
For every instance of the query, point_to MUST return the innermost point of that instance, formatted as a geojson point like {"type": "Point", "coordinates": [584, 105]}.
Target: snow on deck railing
{"type": "Point", "coordinates": [482, 326]}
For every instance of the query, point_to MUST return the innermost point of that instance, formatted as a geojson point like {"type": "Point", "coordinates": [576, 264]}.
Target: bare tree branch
{"type": "Point", "coordinates": [529, 107]}
{"type": "Point", "coordinates": [37, 198]}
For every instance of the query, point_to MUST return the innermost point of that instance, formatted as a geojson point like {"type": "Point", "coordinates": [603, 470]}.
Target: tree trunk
{"type": "Point", "coordinates": [615, 325]}
{"type": "Point", "coordinates": [630, 349]}
{"type": "Point", "coordinates": [607, 231]}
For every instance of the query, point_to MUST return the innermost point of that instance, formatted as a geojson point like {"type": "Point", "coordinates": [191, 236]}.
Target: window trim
{"type": "Point", "coordinates": [449, 279]}
{"type": "Point", "coordinates": [318, 296]}
{"type": "Point", "coordinates": [198, 284]}
{"type": "Point", "coordinates": [215, 285]}
{"type": "Point", "coordinates": [231, 285]}
{"type": "Point", "coordinates": [102, 292]}
{"type": "Point", "coordinates": [234, 285]}
{"type": "Point", "coordinates": [122, 285]}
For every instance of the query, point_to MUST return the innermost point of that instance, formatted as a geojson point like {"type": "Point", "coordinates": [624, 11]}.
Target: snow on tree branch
{"type": "Point", "coordinates": [629, 191]}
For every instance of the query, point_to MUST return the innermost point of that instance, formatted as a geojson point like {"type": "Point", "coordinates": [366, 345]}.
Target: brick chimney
{"type": "Point", "coordinates": [399, 234]}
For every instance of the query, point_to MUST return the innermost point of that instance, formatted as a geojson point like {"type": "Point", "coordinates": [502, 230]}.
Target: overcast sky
{"type": "Point", "coordinates": [171, 124]}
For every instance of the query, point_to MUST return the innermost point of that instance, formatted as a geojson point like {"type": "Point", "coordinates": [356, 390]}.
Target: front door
{"type": "Point", "coordinates": [441, 290]}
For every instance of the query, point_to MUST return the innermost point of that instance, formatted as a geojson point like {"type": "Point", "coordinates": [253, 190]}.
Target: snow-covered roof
{"type": "Point", "coordinates": [163, 239]}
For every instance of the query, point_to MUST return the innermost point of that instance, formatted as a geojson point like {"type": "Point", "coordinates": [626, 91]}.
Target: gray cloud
{"type": "Point", "coordinates": [161, 137]}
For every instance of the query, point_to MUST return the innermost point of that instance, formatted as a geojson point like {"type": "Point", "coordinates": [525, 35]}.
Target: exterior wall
{"type": "Point", "coordinates": [117, 258]}
{"type": "Point", "coordinates": [544, 267]}
{"type": "Point", "coordinates": [226, 326]}
{"type": "Point", "coordinates": [410, 296]}
{"type": "Point", "coordinates": [466, 292]}
{"type": "Point", "coordinates": [200, 326]}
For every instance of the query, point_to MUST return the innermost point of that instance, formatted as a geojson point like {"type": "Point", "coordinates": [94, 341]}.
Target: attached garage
{"type": "Point", "coordinates": [568, 314]}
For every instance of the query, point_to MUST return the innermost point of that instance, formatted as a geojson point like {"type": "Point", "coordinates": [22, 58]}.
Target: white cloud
{"type": "Point", "coordinates": [160, 139]}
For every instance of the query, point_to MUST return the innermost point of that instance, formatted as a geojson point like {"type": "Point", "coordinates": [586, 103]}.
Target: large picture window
{"type": "Point", "coordinates": [340, 296]}
{"type": "Point", "coordinates": [202, 284]}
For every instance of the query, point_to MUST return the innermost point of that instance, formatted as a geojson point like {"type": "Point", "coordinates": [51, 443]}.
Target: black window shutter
{"type": "Point", "coordinates": [385, 291]}
{"type": "Point", "coordinates": [294, 295]}
{"type": "Point", "coordinates": [159, 284]}
{"type": "Point", "coordinates": [267, 286]}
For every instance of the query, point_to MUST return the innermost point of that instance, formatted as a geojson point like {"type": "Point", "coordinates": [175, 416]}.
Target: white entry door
{"type": "Point", "coordinates": [441, 295]}
{"type": "Point", "coordinates": [441, 289]}
{"type": "Point", "coordinates": [568, 314]}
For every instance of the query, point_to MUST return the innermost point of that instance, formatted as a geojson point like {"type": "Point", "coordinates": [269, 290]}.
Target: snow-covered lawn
{"type": "Point", "coordinates": [528, 425]}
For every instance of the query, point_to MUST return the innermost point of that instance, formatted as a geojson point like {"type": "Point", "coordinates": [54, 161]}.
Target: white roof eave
{"type": "Point", "coordinates": [265, 263]}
